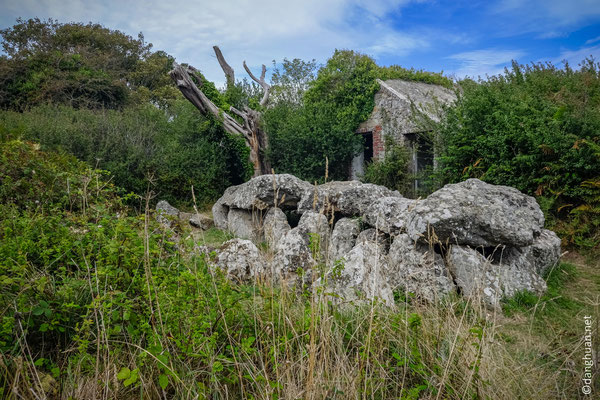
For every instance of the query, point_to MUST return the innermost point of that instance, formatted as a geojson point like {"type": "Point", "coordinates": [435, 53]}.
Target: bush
{"type": "Point", "coordinates": [179, 147]}
{"type": "Point", "coordinates": [392, 171]}
{"type": "Point", "coordinates": [534, 128]}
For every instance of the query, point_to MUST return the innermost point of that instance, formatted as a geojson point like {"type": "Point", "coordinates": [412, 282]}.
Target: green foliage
{"type": "Point", "coordinates": [534, 128]}
{"type": "Point", "coordinates": [179, 147]}
{"type": "Point", "coordinates": [92, 293]}
{"type": "Point", "coordinates": [289, 83]}
{"type": "Point", "coordinates": [308, 126]}
{"type": "Point", "coordinates": [398, 72]}
{"type": "Point", "coordinates": [81, 65]}
{"type": "Point", "coordinates": [303, 137]}
{"type": "Point", "coordinates": [392, 171]}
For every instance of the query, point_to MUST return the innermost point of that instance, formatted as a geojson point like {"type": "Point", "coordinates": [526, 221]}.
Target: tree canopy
{"type": "Point", "coordinates": [81, 65]}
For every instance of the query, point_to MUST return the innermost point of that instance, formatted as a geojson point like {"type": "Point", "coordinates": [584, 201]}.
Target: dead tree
{"type": "Point", "coordinates": [256, 138]}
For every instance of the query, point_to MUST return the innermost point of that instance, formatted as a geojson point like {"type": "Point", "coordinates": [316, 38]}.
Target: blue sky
{"type": "Point", "coordinates": [462, 38]}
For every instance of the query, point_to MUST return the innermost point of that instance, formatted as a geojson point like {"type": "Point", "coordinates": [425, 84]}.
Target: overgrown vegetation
{"type": "Point", "coordinates": [322, 126]}
{"type": "Point", "coordinates": [80, 65]}
{"type": "Point", "coordinates": [392, 171]}
{"type": "Point", "coordinates": [97, 301]}
{"type": "Point", "coordinates": [534, 128]}
{"type": "Point", "coordinates": [107, 98]}
{"type": "Point", "coordinates": [177, 148]}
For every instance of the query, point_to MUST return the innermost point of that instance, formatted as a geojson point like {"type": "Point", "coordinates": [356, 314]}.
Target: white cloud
{"type": "Point", "coordinates": [594, 40]}
{"type": "Point", "coordinates": [257, 31]}
{"type": "Point", "coordinates": [575, 57]}
{"type": "Point", "coordinates": [479, 63]}
{"type": "Point", "coordinates": [549, 18]}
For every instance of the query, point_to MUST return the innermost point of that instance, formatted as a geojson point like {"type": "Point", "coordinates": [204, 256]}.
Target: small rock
{"type": "Point", "coordinates": [164, 211]}
{"type": "Point", "coordinates": [201, 221]}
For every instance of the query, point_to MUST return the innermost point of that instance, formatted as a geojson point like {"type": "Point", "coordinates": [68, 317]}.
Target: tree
{"type": "Point", "coordinates": [81, 65]}
{"type": "Point", "coordinates": [291, 81]}
{"type": "Point", "coordinates": [247, 124]}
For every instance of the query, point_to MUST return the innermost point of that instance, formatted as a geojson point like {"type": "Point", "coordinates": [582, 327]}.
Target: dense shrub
{"type": "Point", "coordinates": [536, 128]}
{"type": "Point", "coordinates": [178, 147]}
{"type": "Point", "coordinates": [80, 65]}
{"type": "Point", "coordinates": [391, 172]}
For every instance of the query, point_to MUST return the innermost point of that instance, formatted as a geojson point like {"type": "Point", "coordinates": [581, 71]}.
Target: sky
{"type": "Point", "coordinates": [461, 38]}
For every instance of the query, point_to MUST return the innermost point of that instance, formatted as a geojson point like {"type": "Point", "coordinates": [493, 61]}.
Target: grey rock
{"type": "Point", "coordinates": [243, 224]}
{"type": "Point", "coordinates": [417, 270]}
{"type": "Point", "coordinates": [373, 235]}
{"type": "Point", "coordinates": [492, 278]}
{"type": "Point", "coordinates": [477, 214]}
{"type": "Point", "coordinates": [241, 260]}
{"type": "Point", "coordinates": [275, 225]}
{"type": "Point", "coordinates": [292, 253]}
{"type": "Point", "coordinates": [544, 253]}
{"type": "Point", "coordinates": [343, 238]}
{"type": "Point", "coordinates": [389, 214]}
{"type": "Point", "coordinates": [220, 210]}
{"type": "Point", "coordinates": [164, 210]}
{"type": "Point", "coordinates": [361, 276]}
{"type": "Point", "coordinates": [315, 228]}
{"type": "Point", "coordinates": [199, 221]}
{"type": "Point", "coordinates": [265, 191]}
{"type": "Point", "coordinates": [350, 198]}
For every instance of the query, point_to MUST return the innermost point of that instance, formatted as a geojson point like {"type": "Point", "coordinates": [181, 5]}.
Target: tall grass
{"type": "Point", "coordinates": [99, 304]}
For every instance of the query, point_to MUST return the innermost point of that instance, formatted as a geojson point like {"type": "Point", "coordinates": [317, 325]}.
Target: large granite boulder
{"type": "Point", "coordinates": [241, 260]}
{"type": "Point", "coordinates": [291, 255]}
{"type": "Point", "coordinates": [375, 236]}
{"type": "Point", "coordinates": [544, 253]}
{"type": "Point", "coordinates": [275, 225]}
{"type": "Point", "coordinates": [416, 270]}
{"type": "Point", "coordinates": [220, 210]}
{"type": "Point", "coordinates": [476, 213]}
{"type": "Point", "coordinates": [265, 191]}
{"type": "Point", "coordinates": [361, 276]}
{"type": "Point", "coordinates": [343, 238]}
{"type": "Point", "coordinates": [389, 214]}
{"type": "Point", "coordinates": [493, 277]}
{"type": "Point", "coordinates": [244, 224]}
{"type": "Point", "coordinates": [350, 198]}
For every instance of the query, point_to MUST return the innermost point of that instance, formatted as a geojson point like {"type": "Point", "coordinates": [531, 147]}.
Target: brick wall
{"type": "Point", "coordinates": [378, 144]}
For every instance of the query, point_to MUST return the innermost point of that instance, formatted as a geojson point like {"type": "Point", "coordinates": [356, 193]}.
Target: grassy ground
{"type": "Point", "coordinates": [547, 332]}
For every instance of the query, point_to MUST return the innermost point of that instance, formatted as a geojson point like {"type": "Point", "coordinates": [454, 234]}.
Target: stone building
{"type": "Point", "coordinates": [399, 106]}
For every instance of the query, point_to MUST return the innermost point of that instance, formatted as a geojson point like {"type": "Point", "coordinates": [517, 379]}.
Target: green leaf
{"type": "Point", "coordinates": [217, 366]}
{"type": "Point", "coordinates": [38, 311]}
{"type": "Point", "coordinates": [132, 378]}
{"type": "Point", "coordinates": [163, 381]}
{"type": "Point", "coordinates": [124, 373]}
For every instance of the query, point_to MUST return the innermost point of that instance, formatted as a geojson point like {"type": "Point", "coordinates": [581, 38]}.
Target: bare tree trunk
{"type": "Point", "coordinates": [256, 139]}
